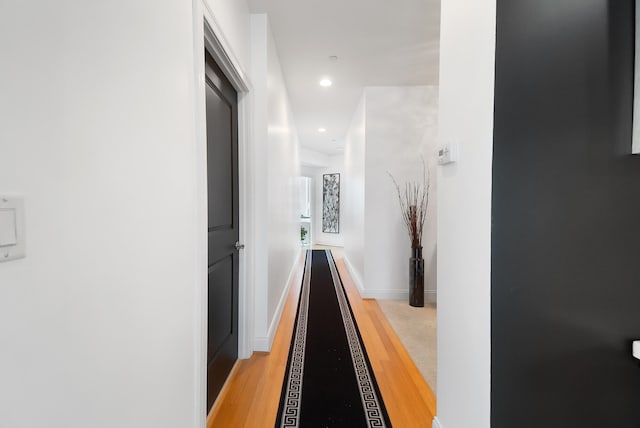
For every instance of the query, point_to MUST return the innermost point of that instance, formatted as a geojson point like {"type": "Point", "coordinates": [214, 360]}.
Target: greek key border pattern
{"type": "Point", "coordinates": [293, 394]}
{"type": "Point", "coordinates": [370, 402]}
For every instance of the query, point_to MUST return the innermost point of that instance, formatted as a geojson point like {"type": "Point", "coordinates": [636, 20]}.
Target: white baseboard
{"type": "Point", "coordinates": [429, 296]}
{"type": "Point", "coordinates": [388, 294]}
{"type": "Point", "coordinates": [394, 294]}
{"type": "Point", "coordinates": [436, 423]}
{"type": "Point", "coordinates": [328, 244]}
{"type": "Point", "coordinates": [355, 276]}
{"type": "Point", "coordinates": [261, 343]}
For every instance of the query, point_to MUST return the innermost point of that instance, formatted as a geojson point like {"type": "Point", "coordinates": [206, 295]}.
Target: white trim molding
{"type": "Point", "coordinates": [436, 423]}
{"type": "Point", "coordinates": [355, 276]}
{"type": "Point", "coordinates": [200, 305]}
{"type": "Point", "coordinates": [208, 34]}
{"type": "Point", "coordinates": [216, 44]}
{"type": "Point", "coordinates": [247, 230]}
{"type": "Point", "coordinates": [430, 296]}
{"type": "Point", "coordinates": [222, 52]}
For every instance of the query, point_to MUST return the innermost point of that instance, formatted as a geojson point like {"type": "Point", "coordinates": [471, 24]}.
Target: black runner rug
{"type": "Point", "coordinates": [329, 381]}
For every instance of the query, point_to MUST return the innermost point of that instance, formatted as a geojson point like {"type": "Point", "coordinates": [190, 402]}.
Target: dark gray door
{"type": "Point", "coordinates": [222, 185]}
{"type": "Point", "coordinates": [566, 203]}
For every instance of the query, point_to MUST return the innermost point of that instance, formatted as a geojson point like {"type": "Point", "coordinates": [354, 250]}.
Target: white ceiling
{"type": "Point", "coordinates": [377, 42]}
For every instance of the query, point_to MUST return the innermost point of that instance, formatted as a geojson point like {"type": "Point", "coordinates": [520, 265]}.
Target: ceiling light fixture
{"type": "Point", "coordinates": [322, 130]}
{"type": "Point", "coordinates": [325, 83]}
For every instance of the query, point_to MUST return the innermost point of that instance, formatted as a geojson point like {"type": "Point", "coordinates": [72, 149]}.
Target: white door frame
{"type": "Point", "coordinates": [207, 33]}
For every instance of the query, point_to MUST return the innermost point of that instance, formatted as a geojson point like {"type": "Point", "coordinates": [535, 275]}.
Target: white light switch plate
{"type": "Point", "coordinates": [8, 229]}
{"type": "Point", "coordinates": [636, 349]}
{"type": "Point", "coordinates": [12, 237]}
{"type": "Point", "coordinates": [448, 153]}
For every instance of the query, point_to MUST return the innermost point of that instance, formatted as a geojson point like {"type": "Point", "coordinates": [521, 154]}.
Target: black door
{"type": "Point", "coordinates": [566, 203]}
{"type": "Point", "coordinates": [222, 185]}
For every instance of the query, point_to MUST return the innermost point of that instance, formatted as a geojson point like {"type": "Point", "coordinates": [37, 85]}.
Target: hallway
{"type": "Point", "coordinates": [250, 397]}
{"type": "Point", "coordinates": [104, 138]}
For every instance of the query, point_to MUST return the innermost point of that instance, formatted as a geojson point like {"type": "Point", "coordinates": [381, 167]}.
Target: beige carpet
{"type": "Point", "coordinates": [416, 328]}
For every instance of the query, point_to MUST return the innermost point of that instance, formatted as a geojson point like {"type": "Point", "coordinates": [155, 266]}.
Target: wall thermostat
{"type": "Point", "coordinates": [448, 153]}
{"type": "Point", "coordinates": [12, 242]}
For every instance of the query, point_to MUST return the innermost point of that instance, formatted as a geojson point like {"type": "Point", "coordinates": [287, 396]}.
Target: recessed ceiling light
{"type": "Point", "coordinates": [322, 130]}
{"type": "Point", "coordinates": [325, 83]}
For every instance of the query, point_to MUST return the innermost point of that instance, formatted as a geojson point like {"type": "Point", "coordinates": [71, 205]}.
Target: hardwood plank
{"type": "Point", "coordinates": [252, 395]}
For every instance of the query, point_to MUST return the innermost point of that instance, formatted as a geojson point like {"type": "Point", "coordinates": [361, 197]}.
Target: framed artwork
{"type": "Point", "coordinates": [331, 203]}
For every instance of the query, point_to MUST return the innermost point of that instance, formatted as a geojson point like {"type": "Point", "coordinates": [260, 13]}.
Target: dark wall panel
{"type": "Point", "coordinates": [566, 217]}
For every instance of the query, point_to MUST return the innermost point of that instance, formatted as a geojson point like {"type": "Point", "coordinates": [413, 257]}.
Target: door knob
{"type": "Point", "coordinates": [239, 246]}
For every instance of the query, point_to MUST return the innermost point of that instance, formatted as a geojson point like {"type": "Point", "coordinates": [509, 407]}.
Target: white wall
{"type": "Point", "coordinates": [313, 159]}
{"type": "Point", "coordinates": [104, 316]}
{"type": "Point", "coordinates": [353, 189]}
{"type": "Point", "coordinates": [401, 128]}
{"type": "Point", "coordinates": [309, 171]}
{"type": "Point", "coordinates": [392, 128]}
{"type": "Point", "coordinates": [97, 133]}
{"type": "Point", "coordinates": [276, 169]}
{"type": "Point", "coordinates": [335, 165]}
{"type": "Point", "coordinates": [464, 213]}
{"type": "Point", "coordinates": [284, 168]}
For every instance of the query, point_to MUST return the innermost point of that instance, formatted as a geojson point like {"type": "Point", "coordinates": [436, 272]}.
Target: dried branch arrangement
{"type": "Point", "coordinates": [414, 201]}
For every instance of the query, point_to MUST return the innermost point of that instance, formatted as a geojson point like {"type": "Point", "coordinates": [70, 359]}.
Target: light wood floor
{"type": "Point", "coordinates": [252, 394]}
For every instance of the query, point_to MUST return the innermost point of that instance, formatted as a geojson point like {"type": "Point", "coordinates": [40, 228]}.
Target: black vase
{"type": "Point", "coordinates": [416, 278]}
